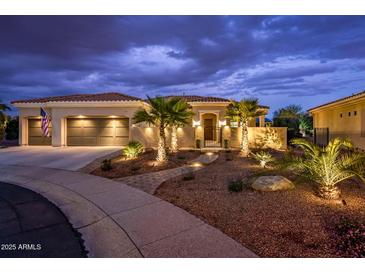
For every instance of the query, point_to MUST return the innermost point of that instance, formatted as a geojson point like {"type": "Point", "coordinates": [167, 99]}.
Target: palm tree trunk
{"type": "Point", "coordinates": [174, 139]}
{"type": "Point", "coordinates": [329, 192]}
{"type": "Point", "coordinates": [245, 151]}
{"type": "Point", "coordinates": [161, 150]}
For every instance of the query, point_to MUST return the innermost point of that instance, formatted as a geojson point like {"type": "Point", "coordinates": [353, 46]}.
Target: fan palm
{"type": "Point", "coordinates": [157, 115]}
{"type": "Point", "coordinates": [242, 112]}
{"type": "Point", "coordinates": [330, 165]}
{"type": "Point", "coordinates": [3, 119]}
{"type": "Point", "coordinates": [179, 114]}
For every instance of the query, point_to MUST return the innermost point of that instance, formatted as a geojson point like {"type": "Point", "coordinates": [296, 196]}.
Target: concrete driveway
{"type": "Point", "coordinates": [67, 158]}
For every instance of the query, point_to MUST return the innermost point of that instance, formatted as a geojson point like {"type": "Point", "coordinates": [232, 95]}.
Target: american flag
{"type": "Point", "coordinates": [45, 123]}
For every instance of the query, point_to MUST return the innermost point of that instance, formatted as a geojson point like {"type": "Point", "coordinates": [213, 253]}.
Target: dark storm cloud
{"type": "Point", "coordinates": [231, 56]}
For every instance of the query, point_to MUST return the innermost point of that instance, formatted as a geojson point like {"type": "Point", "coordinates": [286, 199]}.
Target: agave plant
{"type": "Point", "coordinates": [304, 125]}
{"type": "Point", "coordinates": [263, 158]}
{"type": "Point", "coordinates": [330, 165]}
{"type": "Point", "coordinates": [133, 149]}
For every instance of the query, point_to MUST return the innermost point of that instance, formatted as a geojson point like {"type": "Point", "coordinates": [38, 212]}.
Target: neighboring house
{"type": "Point", "coordinates": [106, 120]}
{"type": "Point", "coordinates": [341, 118]}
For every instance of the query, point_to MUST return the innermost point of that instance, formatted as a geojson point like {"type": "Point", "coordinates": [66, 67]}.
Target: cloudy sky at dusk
{"type": "Point", "coordinates": [305, 60]}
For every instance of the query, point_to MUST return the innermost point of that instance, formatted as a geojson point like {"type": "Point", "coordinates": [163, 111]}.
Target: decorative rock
{"type": "Point", "coordinates": [272, 183]}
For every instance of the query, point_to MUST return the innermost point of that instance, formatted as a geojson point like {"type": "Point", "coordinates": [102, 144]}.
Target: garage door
{"type": "Point", "coordinates": [97, 132]}
{"type": "Point", "coordinates": [35, 135]}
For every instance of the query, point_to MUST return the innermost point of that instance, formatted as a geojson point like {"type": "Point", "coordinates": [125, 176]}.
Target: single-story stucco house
{"type": "Point", "coordinates": [106, 119]}
{"type": "Point", "coordinates": [344, 117]}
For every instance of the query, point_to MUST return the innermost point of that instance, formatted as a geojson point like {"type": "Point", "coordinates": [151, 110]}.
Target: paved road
{"type": "Point", "coordinates": [116, 220]}
{"type": "Point", "coordinates": [30, 226]}
{"type": "Point", "coordinates": [68, 158]}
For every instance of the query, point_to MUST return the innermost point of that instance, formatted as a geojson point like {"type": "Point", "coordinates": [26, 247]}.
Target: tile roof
{"type": "Point", "coordinates": [195, 98]}
{"type": "Point", "coordinates": [109, 96]}
{"type": "Point", "coordinates": [115, 96]}
{"type": "Point", "coordinates": [353, 96]}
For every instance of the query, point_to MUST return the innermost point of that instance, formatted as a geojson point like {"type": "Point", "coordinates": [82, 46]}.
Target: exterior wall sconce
{"type": "Point", "coordinates": [196, 123]}
{"type": "Point", "coordinates": [222, 123]}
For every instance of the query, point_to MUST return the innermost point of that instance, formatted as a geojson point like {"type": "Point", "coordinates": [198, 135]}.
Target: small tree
{"type": "Point", "coordinates": [179, 115]}
{"type": "Point", "coordinates": [328, 166]}
{"type": "Point", "coordinates": [242, 112]}
{"type": "Point", "coordinates": [305, 124]}
{"type": "Point", "coordinates": [157, 115]}
{"type": "Point", "coordinates": [3, 120]}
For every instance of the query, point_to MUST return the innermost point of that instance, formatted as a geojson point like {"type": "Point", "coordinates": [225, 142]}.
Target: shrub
{"type": "Point", "coordinates": [106, 165]}
{"type": "Point", "coordinates": [351, 242]}
{"type": "Point", "coordinates": [263, 158]}
{"type": "Point", "coordinates": [133, 149]}
{"type": "Point", "coordinates": [235, 186]}
{"type": "Point", "coordinates": [329, 165]}
{"type": "Point", "coordinates": [135, 168]}
{"type": "Point", "coordinates": [12, 129]}
{"type": "Point", "coordinates": [189, 176]}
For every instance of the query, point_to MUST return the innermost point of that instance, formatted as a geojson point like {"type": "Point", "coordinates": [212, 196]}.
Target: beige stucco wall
{"type": "Point", "coordinates": [352, 126]}
{"type": "Point", "coordinates": [24, 113]}
{"type": "Point", "coordinates": [200, 109]}
{"type": "Point", "coordinates": [187, 135]}
{"type": "Point", "coordinates": [261, 137]}
{"type": "Point", "coordinates": [148, 136]}
{"type": "Point", "coordinates": [60, 114]}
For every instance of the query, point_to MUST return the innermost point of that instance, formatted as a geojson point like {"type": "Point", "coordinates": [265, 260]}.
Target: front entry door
{"type": "Point", "coordinates": [208, 129]}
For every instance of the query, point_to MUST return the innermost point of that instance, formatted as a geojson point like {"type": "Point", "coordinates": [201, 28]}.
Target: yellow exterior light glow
{"type": "Point", "coordinates": [222, 123]}
{"type": "Point", "coordinates": [196, 123]}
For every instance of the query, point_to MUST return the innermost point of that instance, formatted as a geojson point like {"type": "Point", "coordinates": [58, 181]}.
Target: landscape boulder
{"type": "Point", "coordinates": [272, 183]}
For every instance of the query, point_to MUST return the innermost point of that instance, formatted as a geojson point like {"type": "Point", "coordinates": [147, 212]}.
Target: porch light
{"type": "Point", "coordinates": [196, 123]}
{"type": "Point", "coordinates": [222, 123]}
{"type": "Point", "coordinates": [80, 116]}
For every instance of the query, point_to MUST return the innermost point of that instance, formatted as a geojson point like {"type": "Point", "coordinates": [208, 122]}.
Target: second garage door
{"type": "Point", "coordinates": [97, 131]}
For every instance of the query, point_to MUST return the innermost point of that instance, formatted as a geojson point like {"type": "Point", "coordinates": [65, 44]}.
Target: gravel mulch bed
{"type": "Point", "coordinates": [293, 223]}
{"type": "Point", "coordinates": [145, 163]}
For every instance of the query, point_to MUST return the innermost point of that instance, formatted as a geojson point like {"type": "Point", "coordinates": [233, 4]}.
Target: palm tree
{"type": "Point", "coordinates": [3, 119]}
{"type": "Point", "coordinates": [330, 165]}
{"type": "Point", "coordinates": [179, 114]}
{"type": "Point", "coordinates": [305, 124]}
{"type": "Point", "coordinates": [156, 115]}
{"type": "Point", "coordinates": [242, 112]}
